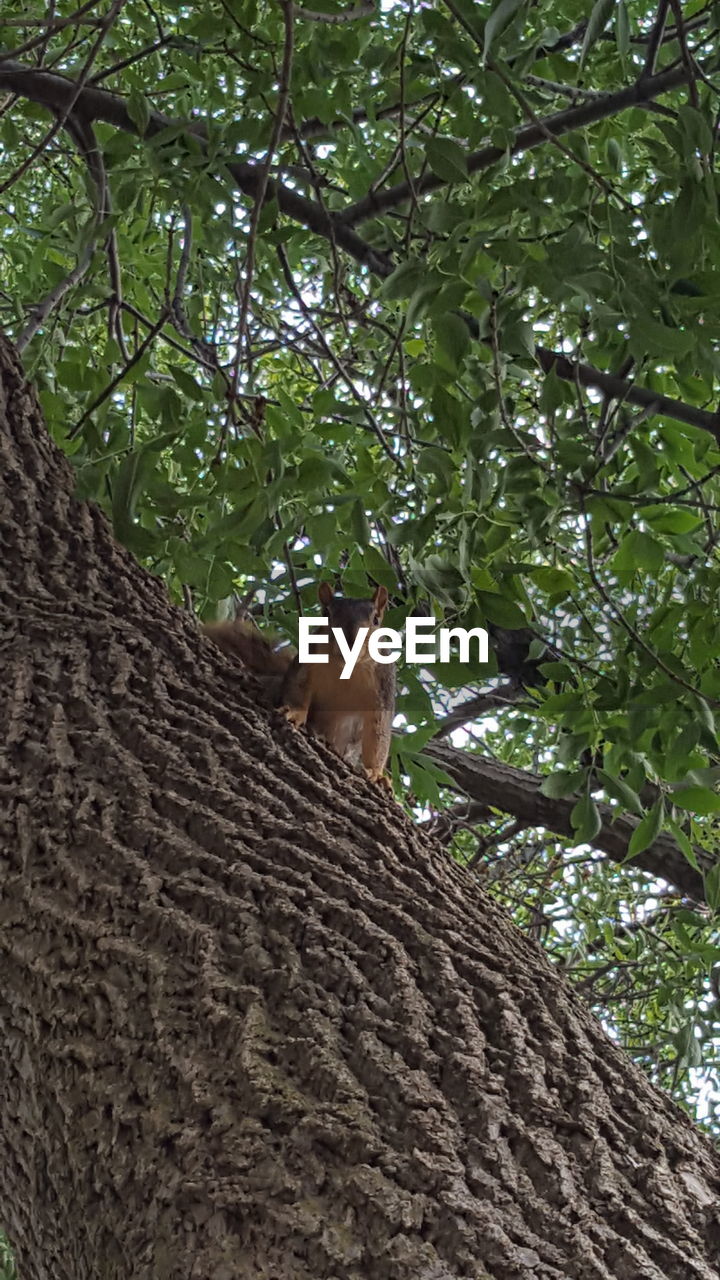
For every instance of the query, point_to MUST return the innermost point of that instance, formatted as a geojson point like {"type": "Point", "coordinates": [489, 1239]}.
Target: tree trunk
{"type": "Point", "coordinates": [253, 1026]}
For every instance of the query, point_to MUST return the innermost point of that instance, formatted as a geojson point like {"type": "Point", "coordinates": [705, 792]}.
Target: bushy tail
{"type": "Point", "coordinates": [250, 647]}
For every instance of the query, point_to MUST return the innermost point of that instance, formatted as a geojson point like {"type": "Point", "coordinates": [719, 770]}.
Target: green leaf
{"type": "Point", "coordinates": [670, 519]}
{"type": "Point", "coordinates": [705, 715]}
{"type": "Point", "coordinates": [451, 334]}
{"type": "Point", "coordinates": [359, 524]}
{"type": "Point", "coordinates": [290, 409]}
{"type": "Point", "coordinates": [647, 830]}
{"type": "Point", "coordinates": [619, 790]}
{"type": "Point", "coordinates": [191, 569]}
{"type": "Point", "coordinates": [558, 671]}
{"type": "Point", "coordinates": [622, 30]}
{"type": "Point", "coordinates": [712, 887]}
{"type": "Point", "coordinates": [649, 336]}
{"type": "Point", "coordinates": [317, 473]}
{"type": "Point", "coordinates": [683, 843]}
{"type": "Point", "coordinates": [499, 100]}
{"type": "Point", "coordinates": [697, 800]}
{"type": "Point", "coordinates": [696, 128]}
{"type": "Point", "coordinates": [438, 575]}
{"type": "Point", "coordinates": [562, 783]}
{"type": "Point", "coordinates": [447, 159]}
{"type": "Point", "coordinates": [235, 524]}
{"type": "Point", "coordinates": [557, 704]}
{"type": "Point", "coordinates": [138, 110]}
{"type": "Point", "coordinates": [498, 609]}
{"type": "Point", "coordinates": [403, 281]}
{"type": "Point", "coordinates": [638, 550]}
{"type": "Point", "coordinates": [614, 155]}
{"type": "Point", "coordinates": [687, 1045]}
{"type": "Point", "coordinates": [597, 22]}
{"type": "Point", "coordinates": [501, 16]}
{"type": "Point", "coordinates": [130, 479]}
{"type": "Point", "coordinates": [187, 383]}
{"type": "Point", "coordinates": [426, 778]}
{"type": "Point", "coordinates": [439, 463]}
{"type": "Point", "coordinates": [553, 581]}
{"type": "Point", "coordinates": [586, 820]}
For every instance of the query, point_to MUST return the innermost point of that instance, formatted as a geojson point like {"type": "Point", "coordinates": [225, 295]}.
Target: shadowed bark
{"type": "Point", "coordinates": [253, 1024]}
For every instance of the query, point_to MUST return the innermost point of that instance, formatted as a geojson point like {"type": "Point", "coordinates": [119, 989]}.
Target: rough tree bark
{"type": "Point", "coordinates": [252, 1024]}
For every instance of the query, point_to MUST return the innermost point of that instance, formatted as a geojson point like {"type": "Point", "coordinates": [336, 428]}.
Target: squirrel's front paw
{"type": "Point", "coordinates": [294, 715]}
{"type": "Point", "coordinates": [380, 777]}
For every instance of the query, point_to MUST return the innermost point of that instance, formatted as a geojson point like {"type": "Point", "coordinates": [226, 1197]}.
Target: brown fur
{"type": "Point", "coordinates": [355, 715]}
{"type": "Point", "coordinates": [254, 650]}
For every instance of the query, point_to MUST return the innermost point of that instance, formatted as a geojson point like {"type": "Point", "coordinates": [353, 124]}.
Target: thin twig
{"type": "Point", "coordinates": [628, 627]}
{"type": "Point", "coordinates": [655, 38]}
{"type": "Point", "coordinates": [489, 701]}
{"type": "Point", "coordinates": [285, 265]}
{"type": "Point", "coordinates": [108, 390]}
{"type": "Point", "coordinates": [497, 379]}
{"type": "Point", "coordinates": [685, 53]}
{"type": "Point", "coordinates": [87, 145]}
{"type": "Point", "coordinates": [316, 182]}
{"type": "Point", "coordinates": [131, 60]}
{"type": "Point", "coordinates": [283, 98]}
{"type": "Point", "coordinates": [500, 836]}
{"type": "Point", "coordinates": [335, 19]}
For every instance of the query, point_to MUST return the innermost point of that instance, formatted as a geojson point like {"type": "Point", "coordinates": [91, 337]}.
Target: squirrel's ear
{"type": "Point", "coordinates": [380, 599]}
{"type": "Point", "coordinates": [325, 593]}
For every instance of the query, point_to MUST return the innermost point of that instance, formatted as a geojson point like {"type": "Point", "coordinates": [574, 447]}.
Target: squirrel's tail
{"type": "Point", "coordinates": [250, 647]}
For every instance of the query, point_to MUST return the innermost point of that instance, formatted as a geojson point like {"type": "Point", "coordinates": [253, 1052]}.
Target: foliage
{"type": "Point", "coordinates": [7, 1262]}
{"type": "Point", "coordinates": [358, 374]}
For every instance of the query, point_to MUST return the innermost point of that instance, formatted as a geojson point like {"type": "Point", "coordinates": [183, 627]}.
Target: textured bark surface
{"type": "Point", "coordinates": [252, 1025]}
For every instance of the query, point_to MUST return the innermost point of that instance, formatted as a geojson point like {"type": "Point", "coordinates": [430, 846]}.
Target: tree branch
{"type": "Point", "coordinates": [76, 88]}
{"type": "Point", "coordinates": [108, 390]}
{"type": "Point", "coordinates": [618, 388]}
{"type": "Point", "coordinates": [518, 793]}
{"type": "Point", "coordinates": [656, 38]}
{"type": "Point", "coordinates": [526, 138]}
{"type": "Point", "coordinates": [487, 700]}
{"type": "Point", "coordinates": [61, 94]}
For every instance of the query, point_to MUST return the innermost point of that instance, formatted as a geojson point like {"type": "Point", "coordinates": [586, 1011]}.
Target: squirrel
{"type": "Point", "coordinates": [354, 715]}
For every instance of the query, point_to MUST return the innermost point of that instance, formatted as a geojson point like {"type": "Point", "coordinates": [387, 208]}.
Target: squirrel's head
{"type": "Point", "coordinates": [350, 615]}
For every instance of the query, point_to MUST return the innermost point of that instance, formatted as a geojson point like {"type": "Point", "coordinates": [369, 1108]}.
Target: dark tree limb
{"type": "Point", "coordinates": [61, 95]}
{"type": "Point", "coordinates": [516, 792]}
{"type": "Point", "coordinates": [617, 388]}
{"type": "Point", "coordinates": [526, 138]}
